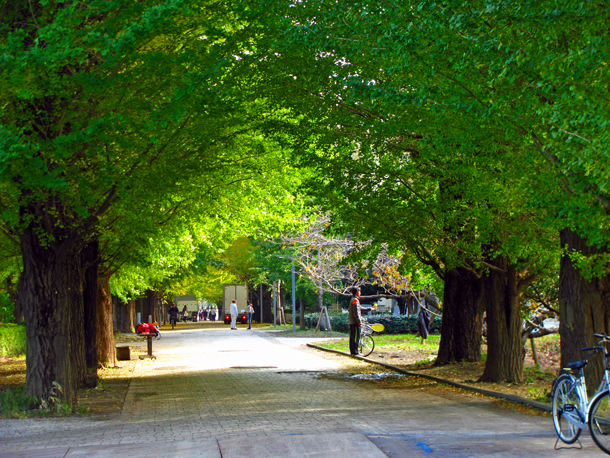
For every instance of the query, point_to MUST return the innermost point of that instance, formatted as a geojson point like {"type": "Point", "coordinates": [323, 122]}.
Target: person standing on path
{"type": "Point", "coordinates": [355, 320]}
{"type": "Point", "coordinates": [233, 314]}
{"type": "Point", "coordinates": [249, 311]}
{"type": "Point", "coordinates": [423, 323]}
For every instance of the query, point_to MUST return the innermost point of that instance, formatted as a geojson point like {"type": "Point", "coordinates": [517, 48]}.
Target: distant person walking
{"type": "Point", "coordinates": [173, 315]}
{"type": "Point", "coordinates": [213, 313]}
{"type": "Point", "coordinates": [233, 314]}
{"type": "Point", "coordinates": [185, 313]}
{"type": "Point", "coordinates": [249, 311]}
{"type": "Point", "coordinates": [355, 320]}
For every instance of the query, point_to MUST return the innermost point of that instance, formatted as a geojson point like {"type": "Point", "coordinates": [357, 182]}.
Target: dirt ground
{"type": "Point", "coordinates": [538, 378]}
{"type": "Point", "coordinates": [107, 399]}
{"type": "Point", "coordinates": [101, 402]}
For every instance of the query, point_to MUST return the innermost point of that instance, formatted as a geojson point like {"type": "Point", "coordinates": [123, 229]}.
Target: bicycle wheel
{"type": "Point", "coordinates": [566, 402]}
{"type": "Point", "coordinates": [599, 421]}
{"type": "Point", "coordinates": [366, 345]}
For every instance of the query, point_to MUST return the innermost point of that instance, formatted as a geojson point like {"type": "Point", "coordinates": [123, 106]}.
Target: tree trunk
{"type": "Point", "coordinates": [403, 306]}
{"type": "Point", "coordinates": [320, 295]}
{"type": "Point", "coordinates": [583, 307]}
{"type": "Point", "coordinates": [51, 294]}
{"type": "Point", "coordinates": [121, 315]}
{"type": "Point", "coordinates": [131, 312]}
{"type": "Point", "coordinates": [504, 345]}
{"type": "Point", "coordinates": [410, 304]}
{"type": "Point", "coordinates": [106, 352]}
{"type": "Point", "coordinates": [267, 304]}
{"type": "Point", "coordinates": [90, 261]}
{"type": "Point", "coordinates": [150, 307]}
{"type": "Point", "coordinates": [462, 324]}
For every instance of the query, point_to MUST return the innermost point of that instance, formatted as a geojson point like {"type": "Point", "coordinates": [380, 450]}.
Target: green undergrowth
{"type": "Point", "coordinates": [532, 376]}
{"type": "Point", "coordinates": [279, 327]}
{"type": "Point", "coordinates": [390, 342]}
{"type": "Point", "coordinates": [12, 340]}
{"type": "Point", "coordinates": [16, 403]}
{"type": "Point", "coordinates": [533, 373]}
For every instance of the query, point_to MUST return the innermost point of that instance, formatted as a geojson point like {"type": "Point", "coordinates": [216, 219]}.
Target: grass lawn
{"type": "Point", "coordinates": [390, 343]}
{"type": "Point", "coordinates": [285, 330]}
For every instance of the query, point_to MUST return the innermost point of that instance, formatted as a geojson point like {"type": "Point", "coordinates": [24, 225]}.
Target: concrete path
{"type": "Point", "coordinates": [213, 392]}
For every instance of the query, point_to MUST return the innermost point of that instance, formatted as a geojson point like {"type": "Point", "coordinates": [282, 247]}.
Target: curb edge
{"type": "Point", "coordinates": [496, 394]}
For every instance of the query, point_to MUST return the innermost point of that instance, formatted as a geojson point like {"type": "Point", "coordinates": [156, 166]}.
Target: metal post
{"type": "Point", "coordinates": [274, 311]}
{"type": "Point", "coordinates": [534, 353]}
{"type": "Point", "coordinates": [294, 306]}
{"type": "Point", "coordinates": [261, 302]}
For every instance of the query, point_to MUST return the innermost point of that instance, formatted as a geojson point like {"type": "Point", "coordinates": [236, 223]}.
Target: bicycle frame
{"type": "Point", "coordinates": [366, 329]}
{"type": "Point", "coordinates": [581, 390]}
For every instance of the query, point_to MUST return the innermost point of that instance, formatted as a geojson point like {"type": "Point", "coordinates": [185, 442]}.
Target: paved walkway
{"type": "Point", "coordinates": [213, 392]}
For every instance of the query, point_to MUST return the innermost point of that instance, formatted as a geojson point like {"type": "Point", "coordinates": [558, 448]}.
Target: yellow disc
{"type": "Point", "coordinates": [378, 327]}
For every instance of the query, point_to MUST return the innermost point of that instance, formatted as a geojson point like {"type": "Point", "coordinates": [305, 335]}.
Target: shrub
{"type": "Point", "coordinates": [394, 324]}
{"type": "Point", "coordinates": [12, 340]}
{"type": "Point", "coordinates": [15, 402]}
{"type": "Point", "coordinates": [6, 308]}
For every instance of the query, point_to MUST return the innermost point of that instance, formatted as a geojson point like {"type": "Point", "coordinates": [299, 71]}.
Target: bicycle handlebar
{"type": "Point", "coordinates": [597, 349]}
{"type": "Point", "coordinates": [605, 339]}
{"type": "Point", "coordinates": [593, 349]}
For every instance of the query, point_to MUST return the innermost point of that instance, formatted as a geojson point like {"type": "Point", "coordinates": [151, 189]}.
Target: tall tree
{"type": "Point", "coordinates": [401, 131]}
{"type": "Point", "coordinates": [107, 106]}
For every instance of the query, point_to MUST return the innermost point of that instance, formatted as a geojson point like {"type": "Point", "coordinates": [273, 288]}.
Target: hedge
{"type": "Point", "coordinates": [12, 340]}
{"type": "Point", "coordinates": [394, 324]}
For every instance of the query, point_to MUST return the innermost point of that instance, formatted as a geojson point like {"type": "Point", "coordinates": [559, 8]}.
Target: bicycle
{"type": "Point", "coordinates": [366, 344]}
{"type": "Point", "coordinates": [571, 408]}
{"type": "Point", "coordinates": [173, 321]}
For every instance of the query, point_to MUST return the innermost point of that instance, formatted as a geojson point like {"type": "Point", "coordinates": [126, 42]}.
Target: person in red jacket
{"type": "Point", "coordinates": [355, 319]}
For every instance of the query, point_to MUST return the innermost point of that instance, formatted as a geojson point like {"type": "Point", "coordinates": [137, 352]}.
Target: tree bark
{"type": "Point", "coordinates": [51, 294]}
{"type": "Point", "coordinates": [410, 304]}
{"type": "Point", "coordinates": [131, 312]}
{"type": "Point", "coordinates": [122, 316]}
{"type": "Point", "coordinates": [504, 344]}
{"type": "Point", "coordinates": [583, 307]}
{"type": "Point", "coordinates": [462, 325]}
{"type": "Point", "coordinates": [90, 261]}
{"type": "Point", "coordinates": [106, 353]}
{"type": "Point", "coordinates": [403, 306]}
{"type": "Point", "coordinates": [150, 307]}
